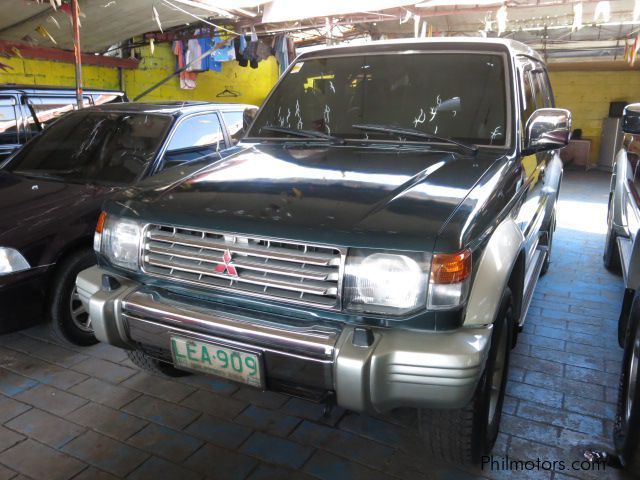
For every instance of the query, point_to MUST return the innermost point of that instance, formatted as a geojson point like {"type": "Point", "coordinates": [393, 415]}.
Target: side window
{"type": "Point", "coordinates": [235, 125]}
{"type": "Point", "coordinates": [528, 98]}
{"type": "Point", "coordinates": [543, 88]}
{"type": "Point", "coordinates": [195, 139]}
{"type": "Point", "coordinates": [48, 108]}
{"type": "Point", "coordinates": [8, 122]}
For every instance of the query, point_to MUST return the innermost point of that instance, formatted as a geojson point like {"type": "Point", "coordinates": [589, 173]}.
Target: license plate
{"type": "Point", "coordinates": [237, 365]}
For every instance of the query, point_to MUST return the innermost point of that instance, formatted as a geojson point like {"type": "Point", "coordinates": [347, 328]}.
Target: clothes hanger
{"type": "Point", "coordinates": [228, 93]}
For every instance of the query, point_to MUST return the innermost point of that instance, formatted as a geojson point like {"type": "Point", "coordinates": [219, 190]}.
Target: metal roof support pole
{"type": "Point", "coordinates": [76, 51]}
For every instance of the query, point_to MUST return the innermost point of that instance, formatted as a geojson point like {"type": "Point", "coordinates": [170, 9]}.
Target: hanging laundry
{"type": "Point", "coordinates": [191, 58]}
{"type": "Point", "coordinates": [187, 79]}
{"type": "Point", "coordinates": [240, 45]}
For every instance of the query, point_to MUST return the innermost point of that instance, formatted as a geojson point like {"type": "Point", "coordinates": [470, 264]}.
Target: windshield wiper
{"type": "Point", "coordinates": [410, 132]}
{"type": "Point", "coordinates": [304, 133]}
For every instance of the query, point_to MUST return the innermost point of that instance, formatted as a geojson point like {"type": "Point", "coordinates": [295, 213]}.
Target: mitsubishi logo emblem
{"type": "Point", "coordinates": [228, 266]}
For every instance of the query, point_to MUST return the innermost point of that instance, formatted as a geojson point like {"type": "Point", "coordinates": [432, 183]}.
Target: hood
{"type": "Point", "coordinates": [32, 208]}
{"type": "Point", "coordinates": [358, 196]}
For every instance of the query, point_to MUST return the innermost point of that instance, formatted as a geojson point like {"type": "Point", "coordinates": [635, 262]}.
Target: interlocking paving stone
{"type": "Point", "coordinates": [269, 421]}
{"type": "Point", "coordinates": [40, 462]}
{"type": "Point", "coordinates": [113, 423]}
{"type": "Point", "coordinates": [44, 427]}
{"type": "Point", "coordinates": [159, 411]}
{"type": "Point", "coordinates": [560, 418]}
{"type": "Point", "coordinates": [49, 352]}
{"type": "Point", "coordinates": [276, 450]}
{"type": "Point", "coordinates": [51, 399]}
{"type": "Point", "coordinates": [343, 444]}
{"type": "Point", "coordinates": [545, 396]}
{"type": "Point", "coordinates": [8, 438]}
{"type": "Point", "coordinates": [105, 393]}
{"type": "Point", "coordinates": [214, 404]}
{"type": "Point", "coordinates": [6, 473]}
{"type": "Point", "coordinates": [104, 370]}
{"type": "Point", "coordinates": [220, 464]}
{"type": "Point", "coordinates": [219, 432]}
{"type": "Point", "coordinates": [270, 472]}
{"type": "Point", "coordinates": [12, 384]}
{"type": "Point", "coordinates": [10, 408]}
{"type": "Point", "coordinates": [158, 468]}
{"type": "Point", "coordinates": [165, 442]}
{"type": "Point", "coordinates": [39, 370]}
{"type": "Point", "coordinates": [157, 387]}
{"type": "Point", "coordinates": [105, 453]}
{"type": "Point", "coordinates": [326, 466]}
{"type": "Point", "coordinates": [93, 473]}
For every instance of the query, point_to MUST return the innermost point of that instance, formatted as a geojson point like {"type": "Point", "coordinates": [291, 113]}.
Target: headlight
{"type": "Point", "coordinates": [391, 283]}
{"type": "Point", "coordinates": [11, 261]}
{"type": "Point", "coordinates": [119, 241]}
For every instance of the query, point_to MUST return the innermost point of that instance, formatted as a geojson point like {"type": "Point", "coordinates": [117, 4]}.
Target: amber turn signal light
{"type": "Point", "coordinates": [447, 268]}
{"type": "Point", "coordinates": [101, 219]}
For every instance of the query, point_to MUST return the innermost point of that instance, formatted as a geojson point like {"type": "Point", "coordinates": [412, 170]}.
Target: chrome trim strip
{"type": "Point", "coordinates": [316, 341]}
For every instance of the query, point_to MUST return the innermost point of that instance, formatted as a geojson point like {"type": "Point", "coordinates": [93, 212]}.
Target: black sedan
{"type": "Point", "coordinates": [52, 189]}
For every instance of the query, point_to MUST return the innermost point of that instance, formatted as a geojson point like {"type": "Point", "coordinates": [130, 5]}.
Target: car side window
{"type": "Point", "coordinates": [8, 122]}
{"type": "Point", "coordinates": [528, 95]}
{"type": "Point", "coordinates": [544, 98]}
{"type": "Point", "coordinates": [197, 138]}
{"type": "Point", "coordinates": [235, 125]}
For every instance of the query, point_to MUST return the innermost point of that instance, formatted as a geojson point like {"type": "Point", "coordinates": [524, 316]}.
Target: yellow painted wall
{"type": "Point", "coordinates": [588, 94]}
{"type": "Point", "coordinates": [252, 84]}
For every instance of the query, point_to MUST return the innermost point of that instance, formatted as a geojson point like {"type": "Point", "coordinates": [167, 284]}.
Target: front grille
{"type": "Point", "coordinates": [285, 270]}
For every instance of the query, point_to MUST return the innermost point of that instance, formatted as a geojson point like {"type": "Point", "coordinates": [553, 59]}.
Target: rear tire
{"type": "Point", "coordinates": [466, 434]}
{"type": "Point", "coordinates": [70, 321]}
{"type": "Point", "coordinates": [549, 244]}
{"type": "Point", "coordinates": [146, 362]}
{"type": "Point", "coordinates": [611, 255]}
{"type": "Point", "coordinates": [626, 433]}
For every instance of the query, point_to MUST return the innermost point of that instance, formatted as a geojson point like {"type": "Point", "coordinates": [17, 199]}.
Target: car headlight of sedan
{"type": "Point", "coordinates": [118, 239]}
{"type": "Point", "coordinates": [386, 283]}
{"type": "Point", "coordinates": [11, 260]}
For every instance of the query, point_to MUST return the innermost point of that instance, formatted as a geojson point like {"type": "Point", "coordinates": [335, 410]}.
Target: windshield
{"type": "Point", "coordinates": [453, 95]}
{"type": "Point", "coordinates": [101, 147]}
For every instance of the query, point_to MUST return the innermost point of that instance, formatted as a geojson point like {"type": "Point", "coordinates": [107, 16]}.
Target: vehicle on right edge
{"type": "Point", "coordinates": [375, 244]}
{"type": "Point", "coordinates": [622, 253]}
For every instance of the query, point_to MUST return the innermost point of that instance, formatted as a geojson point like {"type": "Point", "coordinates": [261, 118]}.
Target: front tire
{"type": "Point", "coordinates": [626, 434]}
{"type": "Point", "coordinates": [70, 321]}
{"type": "Point", "coordinates": [465, 435]}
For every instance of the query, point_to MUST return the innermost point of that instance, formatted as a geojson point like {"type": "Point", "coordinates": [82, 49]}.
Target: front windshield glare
{"type": "Point", "coordinates": [101, 147]}
{"type": "Point", "coordinates": [454, 95]}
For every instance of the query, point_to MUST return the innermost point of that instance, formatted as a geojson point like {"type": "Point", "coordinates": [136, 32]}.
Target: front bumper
{"type": "Point", "coordinates": [22, 298]}
{"type": "Point", "coordinates": [400, 368]}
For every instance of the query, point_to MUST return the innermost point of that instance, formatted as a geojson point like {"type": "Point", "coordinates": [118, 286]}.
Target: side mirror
{"type": "Point", "coordinates": [547, 129]}
{"type": "Point", "coordinates": [631, 119]}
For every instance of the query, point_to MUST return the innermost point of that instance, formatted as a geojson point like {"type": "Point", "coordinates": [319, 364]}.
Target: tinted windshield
{"type": "Point", "coordinates": [455, 95]}
{"type": "Point", "coordinates": [104, 147]}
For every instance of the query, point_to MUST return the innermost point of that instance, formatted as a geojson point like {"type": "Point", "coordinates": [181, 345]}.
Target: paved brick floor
{"type": "Point", "coordinates": [90, 414]}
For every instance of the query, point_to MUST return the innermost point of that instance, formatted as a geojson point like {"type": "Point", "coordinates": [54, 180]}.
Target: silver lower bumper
{"type": "Point", "coordinates": [400, 368]}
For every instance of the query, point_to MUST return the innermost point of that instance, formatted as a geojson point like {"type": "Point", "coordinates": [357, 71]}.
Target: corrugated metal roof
{"type": "Point", "coordinates": [103, 22]}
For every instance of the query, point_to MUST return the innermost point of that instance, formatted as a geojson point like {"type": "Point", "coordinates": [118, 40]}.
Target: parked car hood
{"type": "Point", "coordinates": [368, 196]}
{"type": "Point", "coordinates": [33, 210]}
